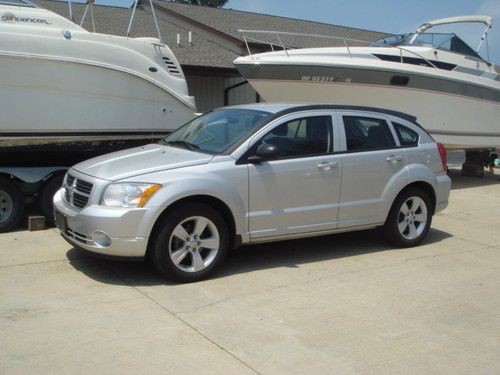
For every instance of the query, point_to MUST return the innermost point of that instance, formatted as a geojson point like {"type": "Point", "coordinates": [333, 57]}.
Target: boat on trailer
{"type": "Point", "coordinates": [67, 94]}
{"type": "Point", "coordinates": [447, 85]}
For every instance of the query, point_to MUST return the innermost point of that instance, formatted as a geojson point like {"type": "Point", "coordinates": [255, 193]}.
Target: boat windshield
{"type": "Point", "coordinates": [216, 131]}
{"type": "Point", "coordinates": [447, 42]}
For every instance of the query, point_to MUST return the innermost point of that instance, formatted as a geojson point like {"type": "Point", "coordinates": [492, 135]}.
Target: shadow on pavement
{"type": "Point", "coordinates": [465, 182]}
{"type": "Point", "coordinates": [246, 259]}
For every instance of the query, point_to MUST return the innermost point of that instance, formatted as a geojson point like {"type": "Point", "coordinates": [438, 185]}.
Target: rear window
{"type": "Point", "coordinates": [407, 137]}
{"type": "Point", "coordinates": [365, 133]}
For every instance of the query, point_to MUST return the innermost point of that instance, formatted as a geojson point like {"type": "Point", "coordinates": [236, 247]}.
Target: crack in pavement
{"type": "Point", "coordinates": [186, 323]}
{"type": "Point", "coordinates": [277, 287]}
{"type": "Point", "coordinates": [32, 263]}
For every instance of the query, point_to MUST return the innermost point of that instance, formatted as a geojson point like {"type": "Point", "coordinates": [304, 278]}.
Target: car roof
{"type": "Point", "coordinates": [285, 108]}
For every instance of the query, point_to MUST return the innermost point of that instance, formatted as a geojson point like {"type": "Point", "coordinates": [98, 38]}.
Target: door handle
{"type": "Point", "coordinates": [326, 165]}
{"type": "Point", "coordinates": [394, 158]}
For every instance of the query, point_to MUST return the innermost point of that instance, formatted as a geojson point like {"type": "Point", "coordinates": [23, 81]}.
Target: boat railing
{"type": "Point", "coordinates": [154, 19]}
{"type": "Point", "coordinates": [89, 7]}
{"type": "Point", "coordinates": [348, 42]}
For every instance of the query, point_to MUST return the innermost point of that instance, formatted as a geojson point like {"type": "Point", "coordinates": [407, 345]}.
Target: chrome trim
{"type": "Point", "coordinates": [76, 191]}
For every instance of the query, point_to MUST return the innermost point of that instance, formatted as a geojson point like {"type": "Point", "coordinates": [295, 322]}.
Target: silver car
{"type": "Point", "coordinates": [251, 174]}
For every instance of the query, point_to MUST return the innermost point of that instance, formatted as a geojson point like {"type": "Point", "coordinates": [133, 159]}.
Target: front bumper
{"type": "Point", "coordinates": [120, 227]}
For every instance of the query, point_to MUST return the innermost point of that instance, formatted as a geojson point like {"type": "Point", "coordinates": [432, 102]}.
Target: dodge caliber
{"type": "Point", "coordinates": [252, 174]}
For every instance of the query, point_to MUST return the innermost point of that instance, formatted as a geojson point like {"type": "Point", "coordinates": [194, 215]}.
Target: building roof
{"type": "Point", "coordinates": [229, 21]}
{"type": "Point", "coordinates": [216, 42]}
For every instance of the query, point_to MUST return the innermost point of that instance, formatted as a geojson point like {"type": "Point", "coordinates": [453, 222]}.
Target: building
{"type": "Point", "coordinates": [215, 43]}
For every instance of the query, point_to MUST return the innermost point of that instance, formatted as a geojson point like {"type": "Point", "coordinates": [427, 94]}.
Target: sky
{"type": "Point", "coordinates": [390, 16]}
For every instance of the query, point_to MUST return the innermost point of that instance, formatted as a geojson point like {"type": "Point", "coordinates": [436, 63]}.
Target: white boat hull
{"type": "Point", "coordinates": [458, 129]}
{"type": "Point", "coordinates": [58, 82]}
{"type": "Point", "coordinates": [455, 98]}
{"type": "Point", "coordinates": [48, 96]}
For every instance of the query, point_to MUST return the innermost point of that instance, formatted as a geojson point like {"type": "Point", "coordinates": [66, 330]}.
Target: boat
{"type": "Point", "coordinates": [437, 77]}
{"type": "Point", "coordinates": [66, 89]}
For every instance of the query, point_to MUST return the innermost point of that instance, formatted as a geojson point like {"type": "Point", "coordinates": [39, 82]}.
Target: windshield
{"type": "Point", "coordinates": [215, 132]}
{"type": "Point", "coordinates": [448, 42]}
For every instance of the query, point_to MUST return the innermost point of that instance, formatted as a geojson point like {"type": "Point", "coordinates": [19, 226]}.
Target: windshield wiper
{"type": "Point", "coordinates": [189, 146]}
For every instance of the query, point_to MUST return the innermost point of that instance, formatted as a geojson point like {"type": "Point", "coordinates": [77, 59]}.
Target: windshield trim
{"type": "Point", "coordinates": [228, 150]}
{"type": "Point", "coordinates": [399, 41]}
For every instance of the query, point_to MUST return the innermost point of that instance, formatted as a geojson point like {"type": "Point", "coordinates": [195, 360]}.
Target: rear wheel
{"type": "Point", "coordinates": [11, 205]}
{"type": "Point", "coordinates": [409, 219]}
{"type": "Point", "coordinates": [190, 243]}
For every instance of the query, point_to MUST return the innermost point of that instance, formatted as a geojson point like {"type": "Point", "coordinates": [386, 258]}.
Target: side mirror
{"type": "Point", "coordinates": [265, 151]}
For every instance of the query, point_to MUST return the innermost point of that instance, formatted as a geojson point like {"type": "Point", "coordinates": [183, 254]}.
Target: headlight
{"type": "Point", "coordinates": [129, 195]}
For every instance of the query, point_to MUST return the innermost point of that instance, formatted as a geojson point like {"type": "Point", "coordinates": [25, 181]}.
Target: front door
{"type": "Point", "coordinates": [298, 191]}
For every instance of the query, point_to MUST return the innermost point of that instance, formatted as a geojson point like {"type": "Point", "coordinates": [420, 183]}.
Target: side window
{"type": "Point", "coordinates": [365, 133]}
{"type": "Point", "coordinates": [302, 137]}
{"type": "Point", "coordinates": [407, 137]}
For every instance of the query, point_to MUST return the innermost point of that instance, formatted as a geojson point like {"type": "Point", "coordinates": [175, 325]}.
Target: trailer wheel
{"type": "Point", "coordinates": [11, 204]}
{"type": "Point", "coordinates": [47, 196]}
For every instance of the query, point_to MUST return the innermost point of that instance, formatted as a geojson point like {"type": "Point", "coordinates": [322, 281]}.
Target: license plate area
{"type": "Point", "coordinates": [61, 222]}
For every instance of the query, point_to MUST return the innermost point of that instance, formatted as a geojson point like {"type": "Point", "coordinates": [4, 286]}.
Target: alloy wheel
{"type": "Point", "coordinates": [194, 243]}
{"type": "Point", "coordinates": [412, 218]}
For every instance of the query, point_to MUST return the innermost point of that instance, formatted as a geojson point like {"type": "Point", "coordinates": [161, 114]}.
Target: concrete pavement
{"type": "Point", "coordinates": [338, 304]}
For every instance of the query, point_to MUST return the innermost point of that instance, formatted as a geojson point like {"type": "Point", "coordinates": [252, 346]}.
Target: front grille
{"type": "Point", "coordinates": [171, 67]}
{"type": "Point", "coordinates": [80, 237]}
{"type": "Point", "coordinates": [70, 179]}
{"type": "Point", "coordinates": [84, 187]}
{"type": "Point", "coordinates": [80, 200]}
{"type": "Point", "coordinates": [76, 191]}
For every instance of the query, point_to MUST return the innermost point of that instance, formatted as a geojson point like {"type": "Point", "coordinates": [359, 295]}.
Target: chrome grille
{"type": "Point", "coordinates": [84, 187]}
{"type": "Point", "coordinates": [76, 191]}
{"type": "Point", "coordinates": [70, 179]}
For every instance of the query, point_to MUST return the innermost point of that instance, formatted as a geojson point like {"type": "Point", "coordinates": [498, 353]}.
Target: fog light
{"type": "Point", "coordinates": [100, 238]}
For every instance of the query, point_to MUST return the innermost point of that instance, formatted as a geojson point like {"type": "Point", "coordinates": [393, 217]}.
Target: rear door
{"type": "Point", "coordinates": [372, 158]}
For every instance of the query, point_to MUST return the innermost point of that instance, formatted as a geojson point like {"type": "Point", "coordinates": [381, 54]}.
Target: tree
{"type": "Point", "coordinates": [207, 3]}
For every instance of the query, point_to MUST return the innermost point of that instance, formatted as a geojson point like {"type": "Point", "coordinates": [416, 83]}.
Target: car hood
{"type": "Point", "coordinates": [140, 160]}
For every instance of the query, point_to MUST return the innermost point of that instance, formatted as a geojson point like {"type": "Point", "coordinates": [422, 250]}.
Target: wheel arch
{"type": "Point", "coordinates": [215, 203]}
{"type": "Point", "coordinates": [426, 187]}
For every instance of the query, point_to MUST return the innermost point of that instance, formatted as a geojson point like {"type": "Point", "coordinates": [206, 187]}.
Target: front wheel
{"type": "Point", "coordinates": [409, 219]}
{"type": "Point", "coordinates": [190, 243]}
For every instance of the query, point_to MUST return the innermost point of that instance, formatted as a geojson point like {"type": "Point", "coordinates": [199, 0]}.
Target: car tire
{"type": "Point", "coordinates": [46, 198]}
{"type": "Point", "coordinates": [409, 219]}
{"type": "Point", "coordinates": [190, 242]}
{"type": "Point", "coordinates": [11, 205]}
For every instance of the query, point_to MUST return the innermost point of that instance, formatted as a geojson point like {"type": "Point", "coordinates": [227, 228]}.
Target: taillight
{"type": "Point", "coordinates": [442, 154]}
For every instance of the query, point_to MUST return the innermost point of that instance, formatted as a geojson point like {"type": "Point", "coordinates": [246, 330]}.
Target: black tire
{"type": "Point", "coordinates": [163, 241]}
{"type": "Point", "coordinates": [391, 227]}
{"type": "Point", "coordinates": [47, 197]}
{"type": "Point", "coordinates": [11, 205]}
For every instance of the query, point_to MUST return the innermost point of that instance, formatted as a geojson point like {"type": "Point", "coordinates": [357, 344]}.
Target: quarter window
{"type": "Point", "coordinates": [365, 133]}
{"type": "Point", "coordinates": [407, 137]}
{"type": "Point", "coordinates": [302, 137]}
